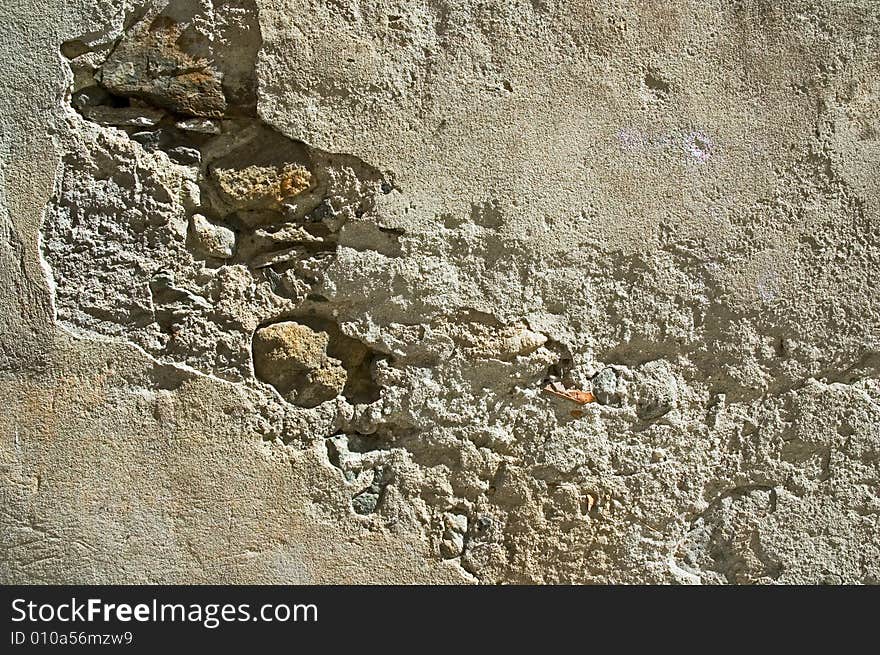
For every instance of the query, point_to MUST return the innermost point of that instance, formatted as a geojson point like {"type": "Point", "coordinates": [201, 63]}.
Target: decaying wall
{"type": "Point", "coordinates": [285, 285]}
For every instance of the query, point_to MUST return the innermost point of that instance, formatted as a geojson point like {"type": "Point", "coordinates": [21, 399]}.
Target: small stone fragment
{"type": "Point", "coordinates": [198, 125]}
{"type": "Point", "coordinates": [656, 390]}
{"type": "Point", "coordinates": [261, 187]}
{"type": "Point", "coordinates": [277, 257]}
{"type": "Point", "coordinates": [190, 194]}
{"type": "Point", "coordinates": [379, 479]}
{"type": "Point", "coordinates": [606, 388]}
{"type": "Point", "coordinates": [291, 343]}
{"type": "Point", "coordinates": [185, 156]}
{"type": "Point", "coordinates": [212, 239]}
{"type": "Point", "coordinates": [455, 522]}
{"type": "Point", "coordinates": [321, 384]}
{"type": "Point", "coordinates": [452, 546]}
{"type": "Point", "coordinates": [322, 212]}
{"type": "Point", "coordinates": [365, 503]}
{"type": "Point", "coordinates": [149, 140]}
{"type": "Point", "coordinates": [523, 342]}
{"type": "Point", "coordinates": [288, 233]}
{"type": "Point", "coordinates": [152, 63]}
{"type": "Point", "coordinates": [454, 528]}
{"type": "Point", "coordinates": [123, 116]}
{"type": "Point", "coordinates": [490, 342]}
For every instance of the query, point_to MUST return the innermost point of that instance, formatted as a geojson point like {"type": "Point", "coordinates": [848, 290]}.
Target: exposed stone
{"type": "Point", "coordinates": [185, 156]}
{"type": "Point", "coordinates": [152, 62]}
{"type": "Point", "coordinates": [123, 116]}
{"type": "Point", "coordinates": [452, 546]}
{"type": "Point", "coordinates": [454, 529]}
{"type": "Point", "coordinates": [199, 125]}
{"type": "Point", "coordinates": [212, 239]}
{"type": "Point", "coordinates": [656, 390]}
{"type": "Point", "coordinates": [488, 341]}
{"type": "Point", "coordinates": [149, 139]}
{"type": "Point", "coordinates": [261, 187]}
{"type": "Point", "coordinates": [321, 385]}
{"type": "Point", "coordinates": [455, 522]}
{"type": "Point", "coordinates": [605, 387]}
{"type": "Point", "coordinates": [293, 358]}
{"type": "Point", "coordinates": [365, 503]}
{"type": "Point", "coordinates": [521, 341]}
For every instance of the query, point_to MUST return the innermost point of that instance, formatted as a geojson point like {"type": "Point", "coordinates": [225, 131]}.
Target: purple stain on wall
{"type": "Point", "coordinates": [632, 139]}
{"type": "Point", "coordinates": [698, 146]}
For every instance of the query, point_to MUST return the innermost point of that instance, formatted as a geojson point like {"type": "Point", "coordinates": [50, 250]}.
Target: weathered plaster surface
{"type": "Point", "coordinates": [282, 283]}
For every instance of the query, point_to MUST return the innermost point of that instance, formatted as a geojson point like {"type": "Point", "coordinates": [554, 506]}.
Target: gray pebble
{"type": "Point", "coordinates": [212, 239]}
{"type": "Point", "coordinates": [365, 503]}
{"type": "Point", "coordinates": [605, 387]}
{"type": "Point", "coordinates": [320, 213]}
{"type": "Point", "coordinates": [149, 140]}
{"type": "Point", "coordinates": [185, 156]}
{"type": "Point", "coordinates": [452, 545]}
{"type": "Point", "coordinates": [656, 391]}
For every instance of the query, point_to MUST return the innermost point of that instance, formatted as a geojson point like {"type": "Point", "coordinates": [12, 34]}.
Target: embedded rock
{"type": "Point", "coordinates": [293, 358]}
{"type": "Point", "coordinates": [163, 62]}
{"type": "Point", "coordinates": [124, 116]}
{"type": "Point", "coordinates": [607, 387]}
{"type": "Point", "coordinates": [212, 239]}
{"type": "Point", "coordinates": [261, 187]}
{"type": "Point", "coordinates": [454, 530]}
{"type": "Point", "coordinates": [655, 390]}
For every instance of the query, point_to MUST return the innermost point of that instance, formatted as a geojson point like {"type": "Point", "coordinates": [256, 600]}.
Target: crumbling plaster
{"type": "Point", "coordinates": [289, 317]}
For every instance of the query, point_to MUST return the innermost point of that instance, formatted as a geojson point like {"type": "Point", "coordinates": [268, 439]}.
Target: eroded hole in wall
{"type": "Point", "coordinates": [655, 85]}
{"type": "Point", "coordinates": [207, 220]}
{"type": "Point", "coordinates": [365, 466]}
{"type": "Point", "coordinates": [309, 361]}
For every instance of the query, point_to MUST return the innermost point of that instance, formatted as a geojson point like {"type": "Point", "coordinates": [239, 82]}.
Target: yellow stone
{"type": "Point", "coordinates": [261, 187]}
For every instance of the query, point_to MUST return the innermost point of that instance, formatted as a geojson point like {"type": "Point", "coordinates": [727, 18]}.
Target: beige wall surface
{"type": "Point", "coordinates": [315, 292]}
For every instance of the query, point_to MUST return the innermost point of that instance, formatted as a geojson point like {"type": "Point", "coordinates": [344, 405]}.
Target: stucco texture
{"type": "Point", "coordinates": [445, 291]}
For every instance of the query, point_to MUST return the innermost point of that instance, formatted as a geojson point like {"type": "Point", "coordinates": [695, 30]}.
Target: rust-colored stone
{"type": "Point", "coordinates": [152, 63]}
